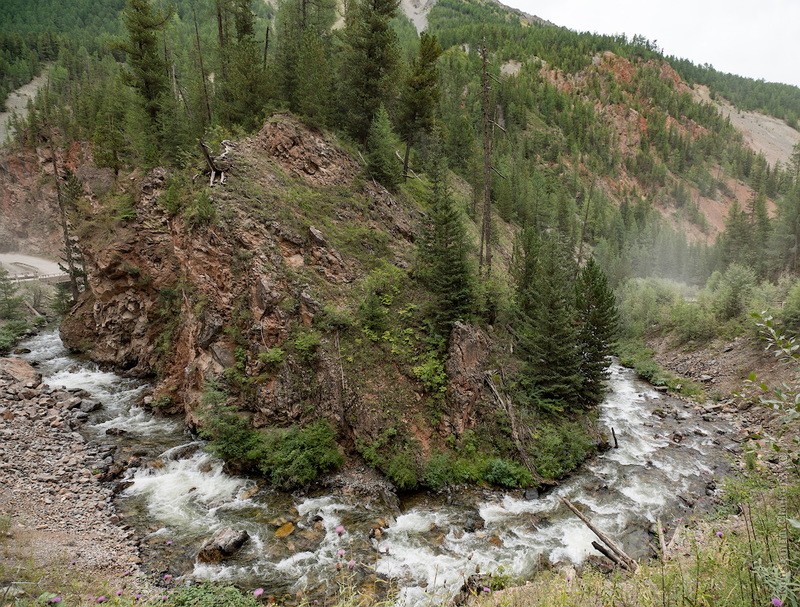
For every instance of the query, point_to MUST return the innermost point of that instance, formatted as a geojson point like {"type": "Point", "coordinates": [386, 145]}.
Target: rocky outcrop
{"type": "Point", "coordinates": [306, 152]}
{"type": "Point", "coordinates": [467, 358]}
{"type": "Point", "coordinates": [234, 299]}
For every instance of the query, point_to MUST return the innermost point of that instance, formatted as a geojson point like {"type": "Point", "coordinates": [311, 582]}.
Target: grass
{"type": "Point", "coordinates": [635, 355]}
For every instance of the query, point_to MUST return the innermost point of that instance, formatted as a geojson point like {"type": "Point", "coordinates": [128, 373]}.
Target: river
{"type": "Point", "coordinates": [669, 456]}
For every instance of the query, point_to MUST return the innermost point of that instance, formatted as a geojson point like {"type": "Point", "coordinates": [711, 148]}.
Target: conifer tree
{"type": "Point", "coordinates": [243, 88]}
{"type": "Point", "coordinates": [381, 162]}
{"type": "Point", "coordinates": [443, 255]}
{"type": "Point", "coordinates": [10, 301]}
{"type": "Point", "coordinates": [420, 96]}
{"type": "Point", "coordinates": [303, 56]}
{"type": "Point", "coordinates": [548, 335]}
{"type": "Point", "coordinates": [370, 64]}
{"type": "Point", "coordinates": [599, 321]}
{"type": "Point", "coordinates": [147, 73]}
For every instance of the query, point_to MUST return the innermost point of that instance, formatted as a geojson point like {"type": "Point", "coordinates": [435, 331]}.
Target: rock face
{"type": "Point", "coordinates": [467, 357]}
{"type": "Point", "coordinates": [235, 299]}
{"type": "Point", "coordinates": [225, 543]}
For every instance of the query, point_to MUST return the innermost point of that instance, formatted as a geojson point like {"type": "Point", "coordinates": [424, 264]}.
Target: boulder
{"type": "Point", "coordinates": [224, 544]}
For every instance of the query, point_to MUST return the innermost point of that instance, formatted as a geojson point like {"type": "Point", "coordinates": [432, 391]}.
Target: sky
{"type": "Point", "coordinates": [759, 39]}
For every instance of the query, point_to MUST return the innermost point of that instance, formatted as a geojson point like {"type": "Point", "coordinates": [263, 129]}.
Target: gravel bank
{"type": "Point", "coordinates": [59, 522]}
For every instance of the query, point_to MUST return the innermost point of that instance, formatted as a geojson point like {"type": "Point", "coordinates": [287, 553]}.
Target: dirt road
{"type": "Point", "coordinates": [18, 102]}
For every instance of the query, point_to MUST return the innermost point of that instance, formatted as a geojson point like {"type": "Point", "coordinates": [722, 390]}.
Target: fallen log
{"type": "Point", "coordinates": [662, 542]}
{"type": "Point", "coordinates": [608, 554]}
{"type": "Point", "coordinates": [629, 562]}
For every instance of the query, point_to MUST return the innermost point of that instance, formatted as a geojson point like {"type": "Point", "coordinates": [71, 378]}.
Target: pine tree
{"type": "Point", "coordinates": [10, 302]}
{"type": "Point", "coordinates": [548, 333]}
{"type": "Point", "coordinates": [243, 88]}
{"type": "Point", "coordinates": [381, 162]}
{"type": "Point", "coordinates": [370, 64]}
{"type": "Point", "coordinates": [599, 321]}
{"type": "Point", "coordinates": [420, 96]}
{"type": "Point", "coordinates": [443, 255]}
{"type": "Point", "coordinates": [147, 73]}
{"type": "Point", "coordinates": [303, 56]}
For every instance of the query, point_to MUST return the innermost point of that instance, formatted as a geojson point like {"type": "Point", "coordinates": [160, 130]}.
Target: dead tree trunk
{"type": "Point", "coordinates": [486, 227]}
{"type": "Point", "coordinates": [202, 67]}
{"type": "Point", "coordinates": [627, 561]}
{"type": "Point", "coordinates": [62, 213]}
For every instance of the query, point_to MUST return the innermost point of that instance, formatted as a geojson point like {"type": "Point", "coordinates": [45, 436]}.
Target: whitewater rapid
{"type": "Point", "coordinates": [181, 495]}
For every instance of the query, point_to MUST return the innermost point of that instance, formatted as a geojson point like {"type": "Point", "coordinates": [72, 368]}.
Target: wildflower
{"type": "Point", "coordinates": [258, 592]}
{"type": "Point", "coordinates": [719, 533]}
{"type": "Point", "coordinates": [167, 577]}
{"type": "Point", "coordinates": [487, 589]}
{"type": "Point", "coordinates": [119, 592]}
{"type": "Point", "coordinates": [55, 599]}
{"type": "Point", "coordinates": [351, 564]}
{"type": "Point", "coordinates": [339, 529]}
{"type": "Point", "coordinates": [101, 599]}
{"type": "Point", "coordinates": [776, 602]}
{"type": "Point", "coordinates": [340, 552]}
{"type": "Point", "coordinates": [169, 542]}
{"type": "Point", "coordinates": [138, 597]}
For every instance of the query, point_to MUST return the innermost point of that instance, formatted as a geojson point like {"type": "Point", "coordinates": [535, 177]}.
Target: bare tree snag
{"type": "Point", "coordinates": [486, 227]}
{"type": "Point", "coordinates": [628, 562]}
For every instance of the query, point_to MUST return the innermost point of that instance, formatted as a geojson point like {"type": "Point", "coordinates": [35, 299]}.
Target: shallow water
{"type": "Point", "coordinates": [424, 550]}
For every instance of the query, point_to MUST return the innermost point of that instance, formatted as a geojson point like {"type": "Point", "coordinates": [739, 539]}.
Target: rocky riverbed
{"type": "Point", "coordinates": [58, 516]}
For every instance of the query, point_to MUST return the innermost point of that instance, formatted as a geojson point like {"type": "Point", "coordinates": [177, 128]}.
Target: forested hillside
{"type": "Point", "coordinates": [576, 163]}
{"type": "Point", "coordinates": [331, 243]}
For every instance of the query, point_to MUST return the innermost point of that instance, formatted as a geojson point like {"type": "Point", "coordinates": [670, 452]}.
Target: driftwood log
{"type": "Point", "coordinates": [623, 558]}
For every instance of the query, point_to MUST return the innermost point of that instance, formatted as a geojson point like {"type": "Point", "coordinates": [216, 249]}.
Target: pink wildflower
{"type": "Point", "coordinates": [776, 602]}
{"type": "Point", "coordinates": [340, 529]}
{"type": "Point", "coordinates": [340, 552]}
{"type": "Point", "coordinates": [55, 599]}
{"type": "Point", "coordinates": [351, 564]}
{"type": "Point", "coordinates": [101, 599]}
{"type": "Point", "coordinates": [258, 592]}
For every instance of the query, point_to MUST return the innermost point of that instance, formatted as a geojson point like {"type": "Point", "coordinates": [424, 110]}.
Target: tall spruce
{"type": "Point", "coordinates": [381, 162]}
{"type": "Point", "coordinates": [370, 64]}
{"type": "Point", "coordinates": [599, 321]}
{"type": "Point", "coordinates": [147, 72]}
{"type": "Point", "coordinates": [303, 56]}
{"type": "Point", "coordinates": [548, 333]}
{"type": "Point", "coordinates": [242, 93]}
{"type": "Point", "coordinates": [443, 260]}
{"type": "Point", "coordinates": [420, 95]}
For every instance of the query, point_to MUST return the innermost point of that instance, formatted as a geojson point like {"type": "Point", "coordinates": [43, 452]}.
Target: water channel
{"type": "Point", "coordinates": [669, 456]}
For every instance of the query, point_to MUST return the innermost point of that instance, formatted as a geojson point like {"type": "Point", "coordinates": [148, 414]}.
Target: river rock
{"type": "Point", "coordinates": [225, 543]}
{"type": "Point", "coordinates": [88, 405]}
{"type": "Point", "coordinates": [473, 523]}
{"type": "Point", "coordinates": [284, 530]}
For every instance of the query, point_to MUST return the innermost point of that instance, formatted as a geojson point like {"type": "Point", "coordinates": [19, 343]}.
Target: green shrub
{"type": "Point", "coordinates": [431, 373]}
{"type": "Point", "coordinates": [402, 471]}
{"type": "Point", "coordinates": [438, 471]}
{"type": "Point", "coordinates": [296, 456]}
{"type": "Point", "coordinates": [505, 473]}
{"type": "Point", "coordinates": [200, 211]}
{"type": "Point", "coordinates": [790, 315]}
{"type": "Point", "coordinates": [559, 448]}
{"type": "Point", "coordinates": [333, 319]}
{"type": "Point", "coordinates": [272, 357]}
{"type": "Point", "coordinates": [693, 322]}
{"type": "Point", "coordinates": [230, 434]}
{"type": "Point", "coordinates": [306, 344]}
{"type": "Point", "coordinates": [210, 595]}
{"type": "Point", "coordinates": [734, 289]}
{"type": "Point", "coordinates": [10, 334]}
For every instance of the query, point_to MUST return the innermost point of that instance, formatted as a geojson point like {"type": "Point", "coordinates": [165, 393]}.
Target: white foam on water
{"type": "Point", "coordinates": [186, 492]}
